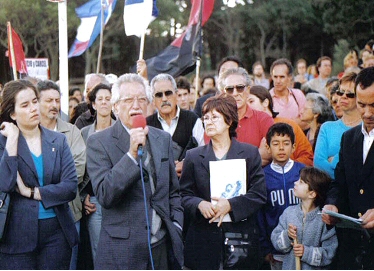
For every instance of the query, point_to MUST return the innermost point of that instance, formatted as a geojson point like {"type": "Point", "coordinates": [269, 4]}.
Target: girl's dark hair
{"type": "Point", "coordinates": [318, 181]}
{"type": "Point", "coordinates": [262, 93]}
{"type": "Point", "coordinates": [10, 91]}
{"type": "Point", "coordinates": [225, 105]}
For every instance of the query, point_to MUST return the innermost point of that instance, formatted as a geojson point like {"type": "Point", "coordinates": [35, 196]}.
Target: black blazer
{"type": "Point", "coordinates": [204, 241]}
{"type": "Point", "coordinates": [353, 189]}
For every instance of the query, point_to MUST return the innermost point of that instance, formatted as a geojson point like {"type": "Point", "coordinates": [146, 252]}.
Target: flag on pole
{"type": "Point", "coordinates": [137, 15]}
{"type": "Point", "coordinates": [89, 29]}
{"type": "Point", "coordinates": [180, 56]}
{"type": "Point", "coordinates": [15, 44]}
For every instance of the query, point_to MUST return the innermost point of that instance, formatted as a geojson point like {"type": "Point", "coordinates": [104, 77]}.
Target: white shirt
{"type": "Point", "coordinates": [279, 169]}
{"type": "Point", "coordinates": [197, 131]}
{"type": "Point", "coordinates": [368, 141]}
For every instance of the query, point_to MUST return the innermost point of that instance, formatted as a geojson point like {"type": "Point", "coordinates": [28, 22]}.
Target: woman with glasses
{"type": "Point", "coordinates": [334, 101]}
{"type": "Point", "coordinates": [326, 155]}
{"type": "Point", "coordinates": [38, 172]}
{"type": "Point", "coordinates": [205, 236]}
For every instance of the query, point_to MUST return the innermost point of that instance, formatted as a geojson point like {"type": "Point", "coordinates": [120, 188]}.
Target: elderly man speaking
{"type": "Point", "coordinates": [129, 240]}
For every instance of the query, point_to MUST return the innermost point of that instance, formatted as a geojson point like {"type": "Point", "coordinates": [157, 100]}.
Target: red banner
{"type": "Point", "coordinates": [15, 44]}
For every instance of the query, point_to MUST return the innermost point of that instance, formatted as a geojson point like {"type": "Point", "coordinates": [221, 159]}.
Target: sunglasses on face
{"type": "Point", "coordinates": [167, 93]}
{"type": "Point", "coordinates": [350, 95]}
{"type": "Point", "coordinates": [239, 88]}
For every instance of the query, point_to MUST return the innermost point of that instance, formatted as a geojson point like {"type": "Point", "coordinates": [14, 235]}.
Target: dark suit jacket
{"type": "Point", "coordinates": [353, 194]}
{"type": "Point", "coordinates": [204, 241]}
{"type": "Point", "coordinates": [116, 183]}
{"type": "Point", "coordinates": [60, 187]}
{"type": "Point", "coordinates": [353, 190]}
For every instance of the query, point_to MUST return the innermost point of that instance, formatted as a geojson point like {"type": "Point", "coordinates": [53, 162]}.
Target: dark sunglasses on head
{"type": "Point", "coordinates": [239, 88]}
{"type": "Point", "coordinates": [167, 94]}
{"type": "Point", "coordinates": [350, 95]}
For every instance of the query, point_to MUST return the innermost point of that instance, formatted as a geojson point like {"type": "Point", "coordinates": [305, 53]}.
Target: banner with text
{"type": "Point", "coordinates": [38, 68]}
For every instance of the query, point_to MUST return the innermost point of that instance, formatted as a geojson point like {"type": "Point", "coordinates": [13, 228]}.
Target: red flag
{"type": "Point", "coordinates": [19, 54]}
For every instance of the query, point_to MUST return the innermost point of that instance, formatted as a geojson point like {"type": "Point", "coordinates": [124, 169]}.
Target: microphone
{"type": "Point", "coordinates": [139, 122]}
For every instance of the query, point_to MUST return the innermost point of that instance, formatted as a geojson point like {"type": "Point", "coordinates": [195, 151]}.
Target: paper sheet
{"type": "Point", "coordinates": [228, 179]}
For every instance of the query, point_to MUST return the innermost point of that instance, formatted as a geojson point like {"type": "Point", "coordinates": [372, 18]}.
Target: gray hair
{"type": "Point", "coordinates": [237, 71]}
{"type": "Point", "coordinates": [163, 77]}
{"type": "Point", "coordinates": [88, 77]}
{"type": "Point", "coordinates": [320, 102]}
{"type": "Point", "coordinates": [128, 78]}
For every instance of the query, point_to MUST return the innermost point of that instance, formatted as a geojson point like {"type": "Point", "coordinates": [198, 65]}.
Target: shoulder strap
{"type": "Point", "coordinates": [294, 98]}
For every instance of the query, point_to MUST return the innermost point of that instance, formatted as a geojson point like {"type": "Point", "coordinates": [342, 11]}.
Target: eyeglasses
{"type": "Point", "coordinates": [167, 93]}
{"type": "Point", "coordinates": [350, 95]}
{"type": "Point", "coordinates": [131, 100]}
{"type": "Point", "coordinates": [213, 118]}
{"type": "Point", "coordinates": [239, 88]}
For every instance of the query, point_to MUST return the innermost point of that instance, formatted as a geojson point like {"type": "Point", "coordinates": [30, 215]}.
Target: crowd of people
{"type": "Point", "coordinates": [130, 181]}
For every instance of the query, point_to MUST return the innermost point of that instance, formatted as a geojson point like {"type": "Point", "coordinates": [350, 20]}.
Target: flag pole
{"type": "Point", "coordinates": [141, 51]}
{"type": "Point", "coordinates": [197, 80]}
{"type": "Point", "coordinates": [63, 57]}
{"type": "Point", "coordinates": [13, 59]}
{"type": "Point", "coordinates": [198, 57]}
{"type": "Point", "coordinates": [101, 37]}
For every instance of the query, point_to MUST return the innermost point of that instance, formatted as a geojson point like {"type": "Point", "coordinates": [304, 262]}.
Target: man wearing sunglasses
{"type": "Point", "coordinates": [226, 63]}
{"type": "Point", "coordinates": [352, 193]}
{"type": "Point", "coordinates": [184, 126]}
{"type": "Point", "coordinates": [253, 124]}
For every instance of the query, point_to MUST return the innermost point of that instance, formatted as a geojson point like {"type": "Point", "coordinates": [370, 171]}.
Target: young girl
{"type": "Point", "coordinates": [316, 245]}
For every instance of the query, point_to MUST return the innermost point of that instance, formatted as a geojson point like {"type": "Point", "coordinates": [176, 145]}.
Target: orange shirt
{"type": "Point", "coordinates": [303, 151]}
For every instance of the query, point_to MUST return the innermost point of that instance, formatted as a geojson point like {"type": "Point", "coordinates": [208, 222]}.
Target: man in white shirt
{"type": "Point", "coordinates": [352, 193]}
{"type": "Point", "coordinates": [184, 126]}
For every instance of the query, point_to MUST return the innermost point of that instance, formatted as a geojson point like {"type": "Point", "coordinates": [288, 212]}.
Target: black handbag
{"type": "Point", "coordinates": [241, 249]}
{"type": "Point", "coordinates": [4, 213]}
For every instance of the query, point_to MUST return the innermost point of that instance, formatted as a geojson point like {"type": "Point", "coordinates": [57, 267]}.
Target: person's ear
{"type": "Point", "coordinates": [268, 148]}
{"type": "Point", "coordinates": [312, 194]}
{"type": "Point", "coordinates": [13, 117]}
{"type": "Point", "coordinates": [293, 147]}
{"type": "Point", "coordinates": [265, 103]}
{"type": "Point", "coordinates": [94, 106]}
{"type": "Point", "coordinates": [115, 107]}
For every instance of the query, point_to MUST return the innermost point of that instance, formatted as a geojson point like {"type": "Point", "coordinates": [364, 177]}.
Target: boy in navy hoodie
{"type": "Point", "coordinates": [280, 176]}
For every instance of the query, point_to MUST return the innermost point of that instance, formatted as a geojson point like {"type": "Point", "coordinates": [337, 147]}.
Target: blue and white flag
{"type": "Point", "coordinates": [89, 29]}
{"type": "Point", "coordinates": [137, 15]}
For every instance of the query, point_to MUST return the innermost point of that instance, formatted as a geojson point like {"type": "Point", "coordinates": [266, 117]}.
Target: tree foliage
{"type": "Point", "coordinates": [253, 30]}
{"type": "Point", "coordinates": [36, 22]}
